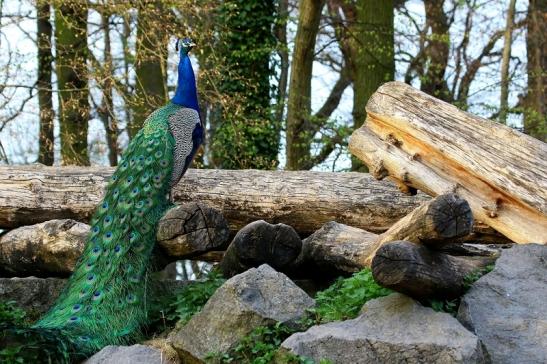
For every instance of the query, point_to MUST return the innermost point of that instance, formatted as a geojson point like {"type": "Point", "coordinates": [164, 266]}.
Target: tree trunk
{"type": "Point", "coordinates": [150, 64]}
{"type": "Point", "coordinates": [424, 143]}
{"type": "Point", "coordinates": [106, 110]}
{"type": "Point", "coordinates": [283, 51]}
{"type": "Point", "coordinates": [299, 103]}
{"type": "Point", "coordinates": [304, 200]}
{"type": "Point", "coordinates": [535, 114]}
{"type": "Point", "coordinates": [71, 55]}
{"type": "Point", "coordinates": [506, 58]}
{"type": "Point", "coordinates": [436, 51]}
{"type": "Point", "coordinates": [45, 69]}
{"type": "Point", "coordinates": [373, 57]}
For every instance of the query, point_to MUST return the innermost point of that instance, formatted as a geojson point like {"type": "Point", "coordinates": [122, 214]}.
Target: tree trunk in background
{"type": "Point", "coordinates": [283, 52]}
{"type": "Point", "coordinates": [150, 64]}
{"type": "Point", "coordinates": [106, 110]}
{"type": "Point", "coordinates": [437, 51]}
{"type": "Point", "coordinates": [535, 123]}
{"type": "Point", "coordinates": [299, 103]}
{"type": "Point", "coordinates": [506, 59]}
{"type": "Point", "coordinates": [45, 69]}
{"type": "Point", "coordinates": [247, 135]}
{"type": "Point", "coordinates": [71, 49]}
{"type": "Point", "coordinates": [373, 57]}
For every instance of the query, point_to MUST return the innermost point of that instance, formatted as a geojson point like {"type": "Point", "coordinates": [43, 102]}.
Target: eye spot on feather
{"type": "Point", "coordinates": [108, 220]}
{"type": "Point", "coordinates": [164, 163]}
{"type": "Point", "coordinates": [104, 206]}
{"type": "Point", "coordinates": [114, 178]}
{"type": "Point", "coordinates": [88, 266]}
{"type": "Point", "coordinates": [139, 204]}
{"type": "Point", "coordinates": [95, 229]}
{"type": "Point", "coordinates": [135, 191]}
{"type": "Point", "coordinates": [73, 319]}
{"type": "Point", "coordinates": [77, 307]}
{"type": "Point", "coordinates": [149, 160]}
{"type": "Point", "coordinates": [131, 298]}
{"type": "Point", "coordinates": [158, 154]}
{"type": "Point", "coordinates": [90, 277]}
{"type": "Point", "coordinates": [108, 236]}
{"type": "Point", "coordinates": [117, 248]}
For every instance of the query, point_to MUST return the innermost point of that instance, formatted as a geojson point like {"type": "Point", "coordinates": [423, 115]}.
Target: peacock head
{"type": "Point", "coordinates": [185, 45]}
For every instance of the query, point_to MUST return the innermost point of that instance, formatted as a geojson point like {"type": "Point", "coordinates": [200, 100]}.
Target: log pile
{"type": "Point", "coordinates": [425, 144]}
{"type": "Point", "coordinates": [488, 185]}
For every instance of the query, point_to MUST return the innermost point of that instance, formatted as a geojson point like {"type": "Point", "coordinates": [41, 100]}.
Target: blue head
{"type": "Point", "coordinates": [186, 94]}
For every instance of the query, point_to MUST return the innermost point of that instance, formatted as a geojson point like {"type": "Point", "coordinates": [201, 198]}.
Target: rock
{"type": "Point", "coordinates": [258, 297]}
{"type": "Point", "coordinates": [392, 329]}
{"type": "Point", "coordinates": [261, 243]}
{"type": "Point", "coordinates": [337, 249]}
{"type": "Point", "coordinates": [135, 354]}
{"type": "Point", "coordinates": [48, 248]}
{"type": "Point", "coordinates": [192, 229]}
{"type": "Point", "coordinates": [506, 307]}
{"type": "Point", "coordinates": [34, 295]}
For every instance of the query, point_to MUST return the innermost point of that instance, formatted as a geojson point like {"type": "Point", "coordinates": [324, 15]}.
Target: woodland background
{"type": "Point", "coordinates": [282, 84]}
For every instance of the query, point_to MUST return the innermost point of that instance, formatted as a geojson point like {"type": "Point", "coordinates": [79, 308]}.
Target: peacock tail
{"type": "Point", "coordinates": [104, 301]}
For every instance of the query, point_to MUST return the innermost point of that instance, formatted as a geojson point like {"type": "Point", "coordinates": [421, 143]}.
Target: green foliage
{"type": "Point", "coordinates": [261, 347]}
{"type": "Point", "coordinates": [245, 134]}
{"type": "Point", "coordinates": [193, 297]}
{"type": "Point", "coordinates": [474, 276]}
{"type": "Point", "coordinates": [345, 297]}
{"type": "Point", "coordinates": [10, 314]}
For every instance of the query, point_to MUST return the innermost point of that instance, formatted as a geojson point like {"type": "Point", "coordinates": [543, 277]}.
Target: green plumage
{"type": "Point", "coordinates": [104, 302]}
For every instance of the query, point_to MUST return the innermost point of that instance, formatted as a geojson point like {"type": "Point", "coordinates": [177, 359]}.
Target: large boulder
{"type": "Point", "coordinates": [392, 329]}
{"type": "Point", "coordinates": [45, 249]}
{"type": "Point", "coordinates": [506, 308]}
{"type": "Point", "coordinates": [135, 354]}
{"type": "Point", "coordinates": [34, 295]}
{"type": "Point", "coordinates": [257, 297]}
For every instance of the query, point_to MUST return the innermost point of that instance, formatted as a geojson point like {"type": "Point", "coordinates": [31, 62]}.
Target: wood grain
{"type": "Point", "coordinates": [304, 200]}
{"type": "Point", "coordinates": [427, 144]}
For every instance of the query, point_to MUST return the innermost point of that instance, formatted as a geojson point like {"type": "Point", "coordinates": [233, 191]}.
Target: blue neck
{"type": "Point", "coordinates": [186, 94]}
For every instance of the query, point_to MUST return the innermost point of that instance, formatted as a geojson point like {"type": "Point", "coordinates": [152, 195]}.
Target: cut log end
{"type": "Point", "coordinates": [451, 216]}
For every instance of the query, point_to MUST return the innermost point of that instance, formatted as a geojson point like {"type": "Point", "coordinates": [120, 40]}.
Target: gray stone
{"type": "Point", "coordinates": [135, 354]}
{"type": "Point", "coordinates": [507, 308]}
{"type": "Point", "coordinates": [392, 329]}
{"type": "Point", "coordinates": [257, 297]}
{"type": "Point", "coordinates": [45, 249]}
{"type": "Point", "coordinates": [34, 295]}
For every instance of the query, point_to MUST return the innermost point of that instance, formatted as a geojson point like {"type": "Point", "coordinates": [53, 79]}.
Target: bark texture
{"type": "Point", "coordinates": [305, 200]}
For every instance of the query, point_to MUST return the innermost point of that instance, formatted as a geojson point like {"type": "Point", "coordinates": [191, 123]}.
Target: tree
{"type": "Point", "coordinates": [246, 135]}
{"type": "Point", "coordinates": [150, 62]}
{"type": "Point", "coordinates": [45, 69]}
{"type": "Point", "coordinates": [506, 57]}
{"type": "Point", "coordinates": [535, 109]}
{"type": "Point", "coordinates": [71, 67]}
{"type": "Point", "coordinates": [366, 37]}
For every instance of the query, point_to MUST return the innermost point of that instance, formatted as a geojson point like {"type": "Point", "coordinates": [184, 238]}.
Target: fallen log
{"type": "Point", "coordinates": [303, 199]}
{"type": "Point", "coordinates": [426, 144]}
{"type": "Point", "coordinates": [340, 249]}
{"type": "Point", "coordinates": [261, 243]}
{"type": "Point", "coordinates": [192, 229]}
{"type": "Point", "coordinates": [52, 248]}
{"type": "Point", "coordinates": [422, 273]}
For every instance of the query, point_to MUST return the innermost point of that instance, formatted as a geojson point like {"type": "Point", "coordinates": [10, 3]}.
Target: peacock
{"type": "Point", "coordinates": [105, 300]}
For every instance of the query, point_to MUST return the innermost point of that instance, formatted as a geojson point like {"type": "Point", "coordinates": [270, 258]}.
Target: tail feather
{"type": "Point", "coordinates": [105, 299]}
